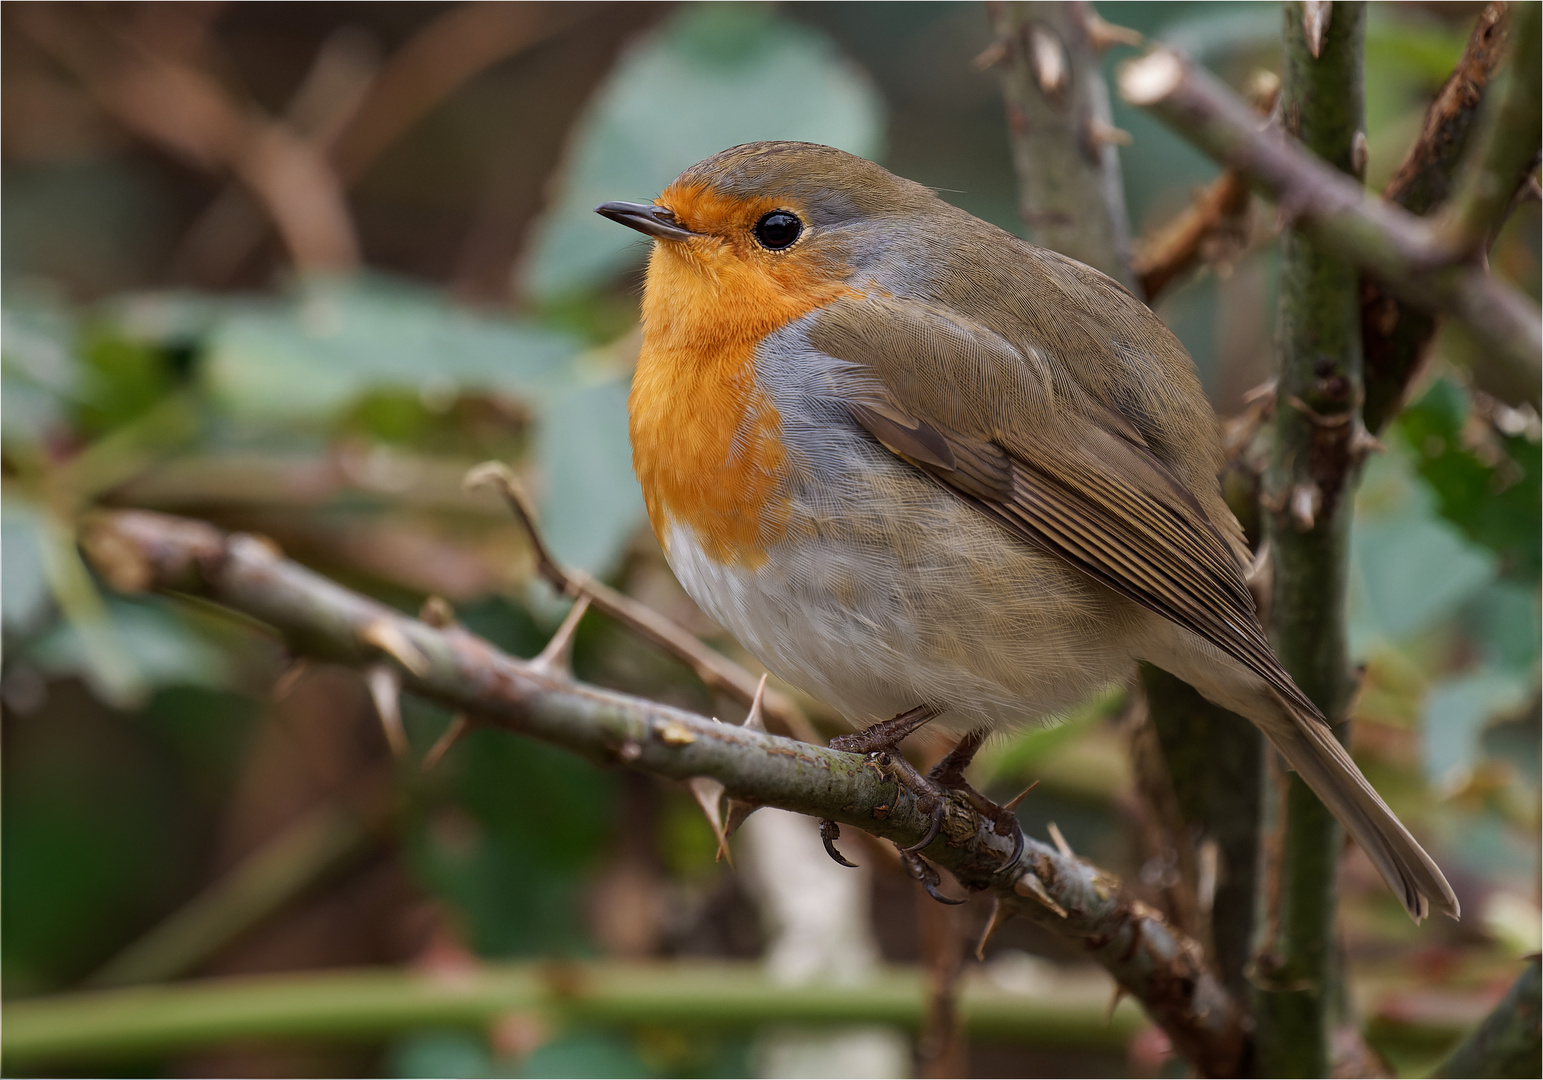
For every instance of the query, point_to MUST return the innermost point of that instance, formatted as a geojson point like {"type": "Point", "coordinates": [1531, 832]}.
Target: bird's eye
{"type": "Point", "coordinates": [778, 229]}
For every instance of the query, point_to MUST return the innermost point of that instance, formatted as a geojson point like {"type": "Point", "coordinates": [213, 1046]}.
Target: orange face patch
{"type": "Point", "coordinates": [704, 435]}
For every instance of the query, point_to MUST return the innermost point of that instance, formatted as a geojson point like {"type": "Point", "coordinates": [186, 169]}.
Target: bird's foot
{"type": "Point", "coordinates": [882, 741]}
{"type": "Point", "coordinates": [948, 775]}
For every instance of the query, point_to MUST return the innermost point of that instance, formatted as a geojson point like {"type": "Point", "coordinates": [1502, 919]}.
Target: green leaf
{"type": "Point", "coordinates": [1456, 713]}
{"type": "Point", "coordinates": [312, 358]}
{"type": "Point", "coordinates": [39, 375]}
{"type": "Point", "coordinates": [1407, 566]}
{"type": "Point", "coordinates": [713, 76]}
{"type": "Point", "coordinates": [160, 645]}
{"type": "Point", "coordinates": [1487, 483]}
{"type": "Point", "coordinates": [590, 501]}
{"type": "Point", "coordinates": [25, 594]}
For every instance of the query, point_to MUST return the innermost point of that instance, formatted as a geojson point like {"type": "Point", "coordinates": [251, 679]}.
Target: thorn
{"type": "Point", "coordinates": [1060, 841]}
{"type": "Point", "coordinates": [557, 657]}
{"type": "Point", "coordinates": [1048, 61]}
{"type": "Point", "coordinates": [1263, 392]}
{"type": "Point", "coordinates": [1031, 887]}
{"type": "Point", "coordinates": [755, 720]}
{"type": "Point", "coordinates": [709, 796]}
{"type": "Point", "coordinates": [437, 612]}
{"type": "Point", "coordinates": [1012, 804]}
{"type": "Point", "coordinates": [738, 812]}
{"type": "Point", "coordinates": [1360, 155]}
{"type": "Point", "coordinates": [1119, 994]}
{"type": "Point", "coordinates": [999, 915]}
{"type": "Point", "coordinates": [1363, 442]}
{"type": "Point", "coordinates": [1315, 24]}
{"type": "Point", "coordinates": [1305, 500]}
{"type": "Point", "coordinates": [457, 727]}
{"type": "Point", "coordinates": [991, 56]}
{"type": "Point", "coordinates": [386, 689]}
{"type": "Point", "coordinates": [1101, 133]}
{"type": "Point", "coordinates": [1104, 35]}
{"type": "Point", "coordinates": [389, 637]}
{"type": "Point", "coordinates": [289, 678]}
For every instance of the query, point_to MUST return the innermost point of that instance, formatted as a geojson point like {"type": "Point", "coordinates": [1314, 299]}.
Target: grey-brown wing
{"type": "Point", "coordinates": [965, 407]}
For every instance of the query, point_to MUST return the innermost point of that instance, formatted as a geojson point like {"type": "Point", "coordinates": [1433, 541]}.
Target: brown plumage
{"type": "Point", "coordinates": [992, 472]}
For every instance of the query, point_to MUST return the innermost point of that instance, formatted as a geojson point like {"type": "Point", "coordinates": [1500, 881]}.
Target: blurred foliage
{"type": "Point", "coordinates": [151, 745]}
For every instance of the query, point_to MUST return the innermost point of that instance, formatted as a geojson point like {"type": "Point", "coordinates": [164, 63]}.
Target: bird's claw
{"type": "Point", "coordinates": [924, 872]}
{"type": "Point", "coordinates": [830, 832]}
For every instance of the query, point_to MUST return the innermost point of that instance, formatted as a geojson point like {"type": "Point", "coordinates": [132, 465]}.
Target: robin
{"type": "Point", "coordinates": [920, 467]}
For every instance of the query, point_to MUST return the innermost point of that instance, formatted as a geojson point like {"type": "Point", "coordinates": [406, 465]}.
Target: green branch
{"type": "Point", "coordinates": [1156, 964]}
{"type": "Point", "coordinates": [117, 1025]}
{"type": "Point", "coordinates": [1509, 1042]}
{"type": "Point", "coordinates": [1405, 253]}
{"type": "Point", "coordinates": [1308, 489]}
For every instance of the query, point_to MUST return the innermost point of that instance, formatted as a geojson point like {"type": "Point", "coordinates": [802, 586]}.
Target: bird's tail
{"type": "Point", "coordinates": [1309, 747]}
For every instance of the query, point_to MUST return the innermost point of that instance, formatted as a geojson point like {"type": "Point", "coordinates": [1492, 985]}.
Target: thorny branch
{"type": "Point", "coordinates": [1394, 335]}
{"type": "Point", "coordinates": [1160, 967]}
{"type": "Point", "coordinates": [713, 668]}
{"type": "Point", "coordinates": [1414, 259]}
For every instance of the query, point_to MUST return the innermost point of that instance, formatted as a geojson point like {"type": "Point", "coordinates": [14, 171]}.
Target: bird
{"type": "Point", "coordinates": [925, 470]}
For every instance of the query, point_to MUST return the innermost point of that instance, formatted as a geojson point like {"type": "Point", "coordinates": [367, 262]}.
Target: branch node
{"type": "Point", "coordinates": [437, 612]}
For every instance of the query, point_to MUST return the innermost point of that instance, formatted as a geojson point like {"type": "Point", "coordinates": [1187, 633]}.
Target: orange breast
{"type": "Point", "coordinates": [704, 434]}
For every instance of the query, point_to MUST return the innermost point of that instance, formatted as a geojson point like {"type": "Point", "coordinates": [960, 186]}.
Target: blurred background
{"type": "Point", "coordinates": [293, 268]}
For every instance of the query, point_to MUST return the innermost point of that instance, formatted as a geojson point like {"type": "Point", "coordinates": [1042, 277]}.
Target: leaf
{"type": "Point", "coordinates": [590, 499]}
{"type": "Point", "coordinates": [1456, 713]}
{"type": "Point", "coordinates": [25, 595]}
{"type": "Point", "coordinates": [38, 368]}
{"type": "Point", "coordinates": [162, 648]}
{"type": "Point", "coordinates": [312, 358]}
{"type": "Point", "coordinates": [1407, 566]}
{"type": "Point", "coordinates": [714, 76]}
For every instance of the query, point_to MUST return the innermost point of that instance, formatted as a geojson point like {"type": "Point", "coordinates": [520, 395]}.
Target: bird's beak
{"type": "Point", "coordinates": [655, 221]}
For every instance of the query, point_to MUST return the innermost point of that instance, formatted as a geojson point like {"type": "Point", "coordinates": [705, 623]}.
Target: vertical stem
{"type": "Point", "coordinates": [1309, 486]}
{"type": "Point", "coordinates": [1070, 193]}
{"type": "Point", "coordinates": [1215, 758]}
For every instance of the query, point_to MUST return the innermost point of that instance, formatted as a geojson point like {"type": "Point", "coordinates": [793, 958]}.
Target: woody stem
{"type": "Point", "coordinates": [1158, 965]}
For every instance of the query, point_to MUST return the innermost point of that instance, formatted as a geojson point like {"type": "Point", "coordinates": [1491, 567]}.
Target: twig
{"type": "Point", "coordinates": [712, 667]}
{"type": "Point", "coordinates": [182, 108]}
{"type": "Point", "coordinates": [380, 1003]}
{"type": "Point", "coordinates": [1394, 335]}
{"type": "Point", "coordinates": [1217, 215]}
{"type": "Point", "coordinates": [1329, 208]}
{"type": "Point", "coordinates": [1507, 144]}
{"type": "Point", "coordinates": [1162, 969]}
{"type": "Point", "coordinates": [265, 881]}
{"type": "Point", "coordinates": [1508, 1042]}
{"type": "Point", "coordinates": [1212, 228]}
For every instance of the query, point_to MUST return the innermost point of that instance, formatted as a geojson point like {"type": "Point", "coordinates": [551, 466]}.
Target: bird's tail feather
{"type": "Point", "coordinates": [1309, 747]}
